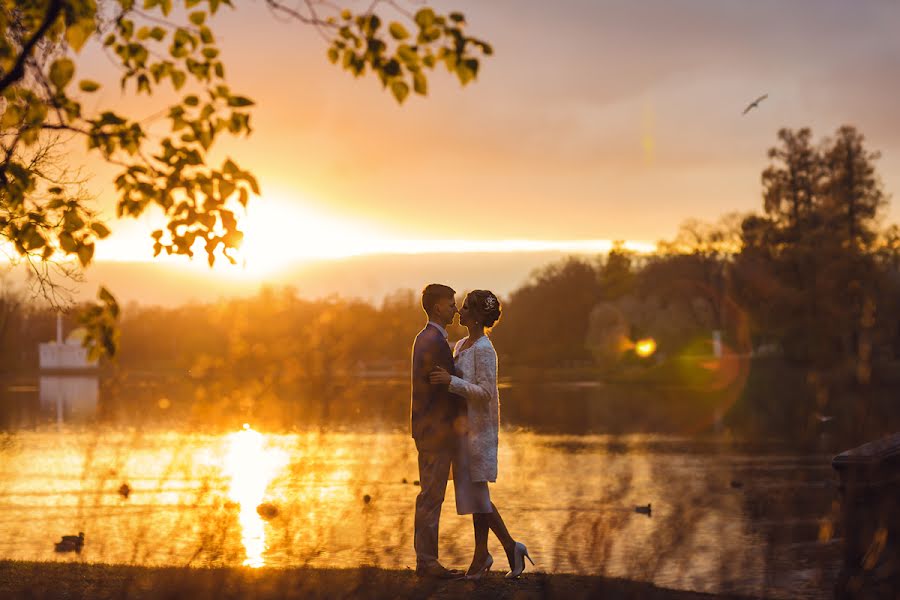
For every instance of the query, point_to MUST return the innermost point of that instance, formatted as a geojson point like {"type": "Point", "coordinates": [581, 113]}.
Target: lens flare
{"type": "Point", "coordinates": [645, 347]}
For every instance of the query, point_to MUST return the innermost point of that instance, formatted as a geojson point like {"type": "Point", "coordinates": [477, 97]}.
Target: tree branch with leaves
{"type": "Point", "coordinates": [156, 48]}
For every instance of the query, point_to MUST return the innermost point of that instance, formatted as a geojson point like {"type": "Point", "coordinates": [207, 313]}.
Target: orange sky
{"type": "Point", "coordinates": [594, 121]}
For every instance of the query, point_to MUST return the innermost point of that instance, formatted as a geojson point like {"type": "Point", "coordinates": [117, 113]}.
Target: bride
{"type": "Point", "coordinates": [475, 462]}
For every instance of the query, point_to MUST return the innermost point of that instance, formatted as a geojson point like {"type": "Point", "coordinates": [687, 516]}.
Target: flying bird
{"type": "Point", "coordinates": [754, 104]}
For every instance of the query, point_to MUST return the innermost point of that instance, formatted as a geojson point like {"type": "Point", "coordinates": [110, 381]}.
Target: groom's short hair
{"type": "Point", "coordinates": [434, 292]}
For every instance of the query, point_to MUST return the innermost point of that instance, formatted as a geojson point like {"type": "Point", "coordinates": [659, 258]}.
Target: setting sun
{"type": "Point", "coordinates": [279, 232]}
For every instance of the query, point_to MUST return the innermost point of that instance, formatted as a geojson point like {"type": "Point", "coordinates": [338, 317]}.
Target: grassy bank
{"type": "Point", "coordinates": [37, 580]}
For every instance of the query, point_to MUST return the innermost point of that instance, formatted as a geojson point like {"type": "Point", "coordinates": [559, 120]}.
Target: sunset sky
{"type": "Point", "coordinates": [595, 120]}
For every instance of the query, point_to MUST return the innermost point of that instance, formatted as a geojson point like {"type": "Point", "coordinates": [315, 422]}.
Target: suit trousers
{"type": "Point", "coordinates": [434, 471]}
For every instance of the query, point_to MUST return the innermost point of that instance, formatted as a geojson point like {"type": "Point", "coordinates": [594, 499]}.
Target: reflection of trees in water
{"type": "Point", "coordinates": [598, 529]}
{"type": "Point", "coordinates": [705, 532]}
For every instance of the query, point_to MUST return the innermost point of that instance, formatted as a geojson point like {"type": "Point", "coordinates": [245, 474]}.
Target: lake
{"type": "Point", "coordinates": [726, 514]}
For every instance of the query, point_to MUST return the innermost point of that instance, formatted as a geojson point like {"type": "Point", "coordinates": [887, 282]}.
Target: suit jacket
{"type": "Point", "coordinates": [434, 409]}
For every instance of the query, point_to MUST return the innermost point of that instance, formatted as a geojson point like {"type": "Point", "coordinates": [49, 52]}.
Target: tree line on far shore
{"type": "Point", "coordinates": [812, 280]}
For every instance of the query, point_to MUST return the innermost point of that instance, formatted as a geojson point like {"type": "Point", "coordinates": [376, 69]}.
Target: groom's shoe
{"type": "Point", "coordinates": [436, 570]}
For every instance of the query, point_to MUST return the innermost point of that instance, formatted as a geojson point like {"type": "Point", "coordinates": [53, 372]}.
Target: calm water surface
{"type": "Point", "coordinates": [725, 517]}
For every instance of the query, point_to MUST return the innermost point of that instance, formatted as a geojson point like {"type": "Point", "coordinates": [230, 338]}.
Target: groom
{"type": "Point", "coordinates": [434, 410]}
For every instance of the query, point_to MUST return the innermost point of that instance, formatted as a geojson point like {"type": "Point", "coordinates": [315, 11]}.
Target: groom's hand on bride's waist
{"type": "Point", "coordinates": [439, 376]}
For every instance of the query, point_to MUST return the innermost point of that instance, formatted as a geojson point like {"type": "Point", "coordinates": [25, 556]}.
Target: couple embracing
{"type": "Point", "coordinates": [455, 424]}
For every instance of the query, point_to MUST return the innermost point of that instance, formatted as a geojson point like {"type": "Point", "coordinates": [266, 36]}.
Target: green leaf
{"type": "Point", "coordinates": [158, 33]}
{"type": "Point", "coordinates": [87, 85]}
{"type": "Point", "coordinates": [424, 18]}
{"type": "Point", "coordinates": [400, 91]}
{"type": "Point", "coordinates": [239, 101]}
{"type": "Point", "coordinates": [229, 168]}
{"type": "Point", "coordinates": [398, 31]}
{"type": "Point", "coordinates": [72, 222]}
{"type": "Point", "coordinates": [178, 78]}
{"type": "Point", "coordinates": [67, 242]}
{"type": "Point", "coordinates": [143, 84]}
{"type": "Point", "coordinates": [85, 254]}
{"type": "Point", "coordinates": [78, 32]}
{"type": "Point", "coordinates": [100, 229]}
{"type": "Point", "coordinates": [226, 188]}
{"type": "Point", "coordinates": [12, 116]}
{"type": "Point", "coordinates": [407, 55]}
{"type": "Point", "coordinates": [61, 72]}
{"type": "Point", "coordinates": [420, 83]}
{"type": "Point", "coordinates": [198, 18]}
{"type": "Point", "coordinates": [392, 68]}
{"type": "Point", "coordinates": [35, 240]}
{"type": "Point", "coordinates": [251, 180]}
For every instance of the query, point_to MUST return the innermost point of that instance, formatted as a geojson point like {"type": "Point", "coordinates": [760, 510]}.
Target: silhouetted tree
{"type": "Point", "coordinates": [810, 273]}
{"type": "Point", "coordinates": [851, 189]}
{"type": "Point", "coordinates": [545, 321]}
{"type": "Point", "coordinates": [791, 184]}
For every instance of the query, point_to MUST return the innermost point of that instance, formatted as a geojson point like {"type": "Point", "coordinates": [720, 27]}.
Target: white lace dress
{"type": "Point", "coordinates": [476, 461]}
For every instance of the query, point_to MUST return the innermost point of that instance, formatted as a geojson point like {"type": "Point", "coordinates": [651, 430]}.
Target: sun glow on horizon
{"type": "Point", "coordinates": [280, 231]}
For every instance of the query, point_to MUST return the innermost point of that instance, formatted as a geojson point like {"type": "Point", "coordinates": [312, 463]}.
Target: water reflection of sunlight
{"type": "Point", "coordinates": [251, 465]}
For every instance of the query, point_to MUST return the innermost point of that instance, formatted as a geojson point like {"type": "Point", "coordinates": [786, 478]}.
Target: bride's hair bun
{"type": "Point", "coordinates": [486, 305]}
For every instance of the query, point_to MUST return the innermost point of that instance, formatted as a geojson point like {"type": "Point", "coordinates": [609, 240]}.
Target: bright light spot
{"type": "Point", "coordinates": [279, 232]}
{"type": "Point", "coordinates": [645, 347]}
{"type": "Point", "coordinates": [164, 403]}
{"type": "Point", "coordinates": [283, 229]}
{"type": "Point", "coordinates": [251, 466]}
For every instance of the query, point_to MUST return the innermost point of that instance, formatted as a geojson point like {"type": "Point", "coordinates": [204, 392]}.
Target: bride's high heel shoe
{"type": "Point", "coordinates": [488, 563]}
{"type": "Point", "coordinates": [520, 553]}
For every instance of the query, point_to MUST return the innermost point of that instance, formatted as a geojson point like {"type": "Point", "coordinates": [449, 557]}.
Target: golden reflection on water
{"type": "Point", "coordinates": [347, 499]}
{"type": "Point", "coordinates": [251, 464]}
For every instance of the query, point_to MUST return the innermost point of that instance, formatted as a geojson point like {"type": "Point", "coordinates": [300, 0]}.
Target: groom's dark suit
{"type": "Point", "coordinates": [434, 411]}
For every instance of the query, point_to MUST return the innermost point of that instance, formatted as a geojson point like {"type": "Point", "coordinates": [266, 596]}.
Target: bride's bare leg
{"type": "Point", "coordinates": [480, 523]}
{"type": "Point", "coordinates": [496, 524]}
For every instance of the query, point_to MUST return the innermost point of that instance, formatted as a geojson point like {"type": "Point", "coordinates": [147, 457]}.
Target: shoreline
{"type": "Point", "coordinates": [72, 580]}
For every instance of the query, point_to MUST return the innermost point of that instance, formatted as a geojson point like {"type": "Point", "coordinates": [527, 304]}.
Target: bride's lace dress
{"type": "Point", "coordinates": [477, 383]}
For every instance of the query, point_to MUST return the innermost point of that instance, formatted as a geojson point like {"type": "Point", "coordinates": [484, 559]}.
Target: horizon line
{"type": "Point", "coordinates": [425, 247]}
